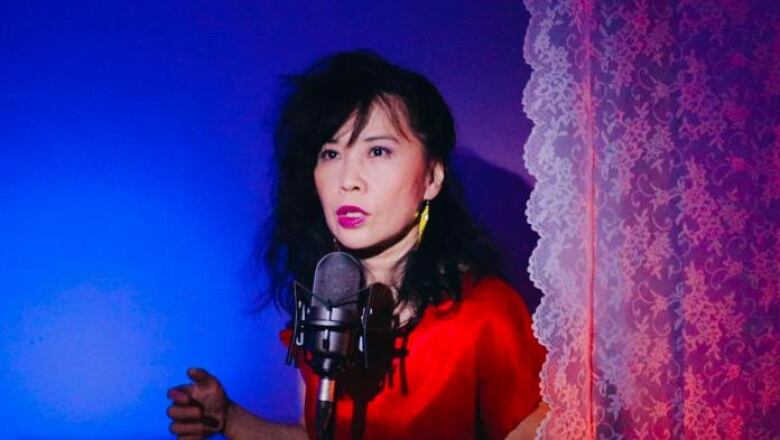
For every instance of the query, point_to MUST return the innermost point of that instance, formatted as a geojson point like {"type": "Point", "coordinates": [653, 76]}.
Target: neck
{"type": "Point", "coordinates": [385, 264]}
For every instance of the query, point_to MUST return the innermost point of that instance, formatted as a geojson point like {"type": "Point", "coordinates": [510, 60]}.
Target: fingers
{"type": "Point", "coordinates": [198, 409]}
{"type": "Point", "coordinates": [185, 413]}
{"type": "Point", "coordinates": [195, 429]}
{"type": "Point", "coordinates": [188, 422]}
{"type": "Point", "coordinates": [181, 395]}
{"type": "Point", "coordinates": [198, 375]}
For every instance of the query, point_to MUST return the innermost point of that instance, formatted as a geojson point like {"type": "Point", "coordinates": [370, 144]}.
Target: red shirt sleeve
{"type": "Point", "coordinates": [509, 360]}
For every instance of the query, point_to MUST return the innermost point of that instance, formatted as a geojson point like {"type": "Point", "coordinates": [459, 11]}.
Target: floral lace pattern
{"type": "Point", "coordinates": [656, 150]}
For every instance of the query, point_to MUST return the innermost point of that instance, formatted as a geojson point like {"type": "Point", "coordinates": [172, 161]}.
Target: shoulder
{"type": "Point", "coordinates": [492, 296]}
{"type": "Point", "coordinates": [509, 358]}
{"type": "Point", "coordinates": [498, 314]}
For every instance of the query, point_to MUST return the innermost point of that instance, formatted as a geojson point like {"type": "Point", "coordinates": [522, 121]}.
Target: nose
{"type": "Point", "coordinates": [352, 175]}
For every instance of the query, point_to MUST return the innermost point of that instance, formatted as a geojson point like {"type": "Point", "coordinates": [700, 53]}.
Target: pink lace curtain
{"type": "Point", "coordinates": [656, 150]}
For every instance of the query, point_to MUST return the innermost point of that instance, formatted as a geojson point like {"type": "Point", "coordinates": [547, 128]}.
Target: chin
{"type": "Point", "coordinates": [359, 241]}
{"type": "Point", "coordinates": [364, 244]}
{"type": "Point", "coordinates": [356, 243]}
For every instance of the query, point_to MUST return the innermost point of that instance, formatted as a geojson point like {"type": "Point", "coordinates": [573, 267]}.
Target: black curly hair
{"type": "Point", "coordinates": [314, 105]}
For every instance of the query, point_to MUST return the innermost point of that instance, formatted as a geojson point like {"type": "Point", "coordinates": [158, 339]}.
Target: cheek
{"type": "Point", "coordinates": [413, 182]}
{"type": "Point", "coordinates": [321, 186]}
{"type": "Point", "coordinates": [402, 192]}
{"type": "Point", "coordinates": [325, 199]}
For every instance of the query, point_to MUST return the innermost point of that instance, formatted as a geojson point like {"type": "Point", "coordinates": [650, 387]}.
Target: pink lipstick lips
{"type": "Point", "coordinates": [351, 216]}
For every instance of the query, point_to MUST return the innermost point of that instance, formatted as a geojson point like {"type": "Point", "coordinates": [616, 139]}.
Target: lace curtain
{"type": "Point", "coordinates": [656, 150]}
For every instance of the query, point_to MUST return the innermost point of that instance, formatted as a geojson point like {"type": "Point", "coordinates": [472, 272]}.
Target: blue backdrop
{"type": "Point", "coordinates": [135, 141]}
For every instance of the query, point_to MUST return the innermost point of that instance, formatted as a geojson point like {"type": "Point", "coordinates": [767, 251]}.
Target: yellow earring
{"type": "Point", "coordinates": [423, 221]}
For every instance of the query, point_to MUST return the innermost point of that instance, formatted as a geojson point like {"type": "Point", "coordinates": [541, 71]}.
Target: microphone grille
{"type": "Point", "coordinates": [337, 277]}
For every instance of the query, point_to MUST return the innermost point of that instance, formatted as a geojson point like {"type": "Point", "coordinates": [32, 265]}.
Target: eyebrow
{"type": "Point", "coordinates": [381, 137]}
{"type": "Point", "coordinates": [371, 139]}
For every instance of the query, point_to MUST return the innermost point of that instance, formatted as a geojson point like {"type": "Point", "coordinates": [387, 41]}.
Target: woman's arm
{"type": "Point", "coordinates": [242, 424]}
{"type": "Point", "coordinates": [526, 430]}
{"type": "Point", "coordinates": [202, 409]}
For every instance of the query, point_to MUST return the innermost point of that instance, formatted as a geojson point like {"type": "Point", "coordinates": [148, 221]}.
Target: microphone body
{"type": "Point", "coordinates": [325, 324]}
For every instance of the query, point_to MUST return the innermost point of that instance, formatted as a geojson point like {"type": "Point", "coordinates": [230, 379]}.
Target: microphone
{"type": "Point", "coordinates": [326, 319]}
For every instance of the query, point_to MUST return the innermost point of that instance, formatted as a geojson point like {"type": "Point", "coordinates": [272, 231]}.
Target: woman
{"type": "Point", "coordinates": [362, 148]}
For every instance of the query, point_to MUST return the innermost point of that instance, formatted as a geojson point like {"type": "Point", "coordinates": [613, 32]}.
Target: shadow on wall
{"type": "Point", "coordinates": [497, 198]}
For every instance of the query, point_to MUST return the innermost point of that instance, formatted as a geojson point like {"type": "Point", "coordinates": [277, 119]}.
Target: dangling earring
{"type": "Point", "coordinates": [336, 246]}
{"type": "Point", "coordinates": [423, 221]}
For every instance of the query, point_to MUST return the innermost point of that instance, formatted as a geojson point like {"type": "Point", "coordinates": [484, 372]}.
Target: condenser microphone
{"type": "Point", "coordinates": [327, 325]}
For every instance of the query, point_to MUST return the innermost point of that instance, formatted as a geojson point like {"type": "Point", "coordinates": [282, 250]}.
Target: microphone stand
{"type": "Point", "coordinates": [325, 405]}
{"type": "Point", "coordinates": [332, 320]}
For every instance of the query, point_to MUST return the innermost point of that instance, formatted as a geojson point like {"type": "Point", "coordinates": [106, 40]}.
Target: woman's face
{"type": "Point", "coordinates": [371, 190]}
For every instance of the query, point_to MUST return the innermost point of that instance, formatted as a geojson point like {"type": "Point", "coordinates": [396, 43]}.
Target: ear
{"type": "Point", "coordinates": [435, 180]}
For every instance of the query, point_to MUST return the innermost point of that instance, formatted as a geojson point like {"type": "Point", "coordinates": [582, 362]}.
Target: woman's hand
{"type": "Point", "coordinates": [526, 430]}
{"type": "Point", "coordinates": [200, 409]}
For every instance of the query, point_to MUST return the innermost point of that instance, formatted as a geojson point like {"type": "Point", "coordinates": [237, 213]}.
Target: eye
{"type": "Point", "coordinates": [379, 151]}
{"type": "Point", "coordinates": [328, 154]}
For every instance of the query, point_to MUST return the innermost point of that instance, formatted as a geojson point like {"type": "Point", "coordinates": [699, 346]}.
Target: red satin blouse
{"type": "Point", "coordinates": [465, 371]}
